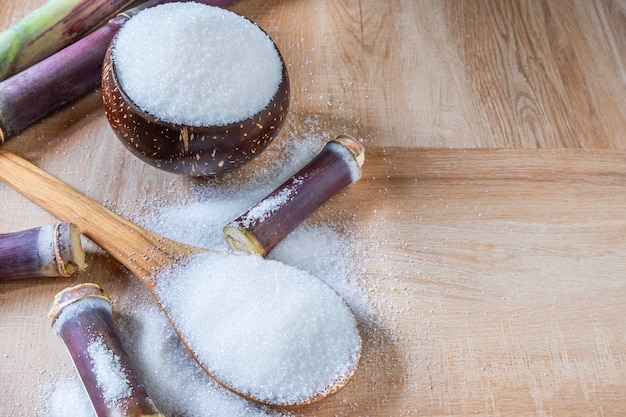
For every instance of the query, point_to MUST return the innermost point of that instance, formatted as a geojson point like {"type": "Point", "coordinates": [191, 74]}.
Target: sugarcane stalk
{"type": "Point", "coordinates": [53, 250]}
{"type": "Point", "coordinates": [49, 28]}
{"type": "Point", "coordinates": [75, 70]}
{"type": "Point", "coordinates": [46, 86]}
{"type": "Point", "coordinates": [82, 318]}
{"type": "Point", "coordinates": [263, 226]}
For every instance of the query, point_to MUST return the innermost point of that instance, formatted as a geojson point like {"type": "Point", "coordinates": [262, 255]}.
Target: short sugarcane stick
{"type": "Point", "coordinates": [82, 318]}
{"type": "Point", "coordinates": [68, 74]}
{"type": "Point", "coordinates": [263, 226]}
{"type": "Point", "coordinates": [53, 250]}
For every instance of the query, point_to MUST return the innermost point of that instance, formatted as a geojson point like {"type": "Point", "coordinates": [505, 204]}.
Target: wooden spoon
{"type": "Point", "coordinates": [144, 253]}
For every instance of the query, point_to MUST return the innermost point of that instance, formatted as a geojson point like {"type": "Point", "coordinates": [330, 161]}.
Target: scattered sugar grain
{"type": "Point", "coordinates": [66, 396]}
{"type": "Point", "coordinates": [266, 207]}
{"type": "Point", "coordinates": [110, 375]}
{"type": "Point", "coordinates": [195, 64]}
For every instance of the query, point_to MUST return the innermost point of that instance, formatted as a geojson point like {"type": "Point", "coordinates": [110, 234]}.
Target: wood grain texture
{"type": "Point", "coordinates": [520, 74]}
{"type": "Point", "coordinates": [507, 286]}
{"type": "Point", "coordinates": [491, 210]}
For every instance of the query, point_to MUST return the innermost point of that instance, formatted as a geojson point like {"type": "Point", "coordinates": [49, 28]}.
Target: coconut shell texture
{"type": "Point", "coordinates": [198, 151]}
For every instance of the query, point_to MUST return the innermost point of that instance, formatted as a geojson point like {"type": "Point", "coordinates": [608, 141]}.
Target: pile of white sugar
{"type": "Point", "coordinates": [194, 64]}
{"type": "Point", "coordinates": [269, 330]}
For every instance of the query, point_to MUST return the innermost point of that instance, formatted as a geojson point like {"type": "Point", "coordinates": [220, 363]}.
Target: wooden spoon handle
{"type": "Point", "coordinates": [141, 251]}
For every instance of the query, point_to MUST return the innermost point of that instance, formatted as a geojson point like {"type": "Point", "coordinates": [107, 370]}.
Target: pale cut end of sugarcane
{"type": "Point", "coordinates": [356, 149]}
{"type": "Point", "coordinates": [241, 240]}
{"type": "Point", "coordinates": [68, 251]}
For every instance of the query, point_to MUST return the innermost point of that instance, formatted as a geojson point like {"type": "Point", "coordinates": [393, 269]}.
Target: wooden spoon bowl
{"type": "Point", "coordinates": [190, 150]}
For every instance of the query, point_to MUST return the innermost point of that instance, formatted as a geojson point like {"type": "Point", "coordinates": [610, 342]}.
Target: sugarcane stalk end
{"type": "Point", "coordinates": [68, 250]}
{"type": "Point", "coordinates": [240, 239]}
{"type": "Point", "coordinates": [354, 146]}
{"type": "Point", "coordinates": [74, 294]}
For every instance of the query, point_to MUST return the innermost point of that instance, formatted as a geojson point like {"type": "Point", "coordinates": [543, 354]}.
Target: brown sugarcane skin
{"type": "Point", "coordinates": [19, 255]}
{"type": "Point", "coordinates": [46, 86]}
{"type": "Point", "coordinates": [49, 29]}
{"type": "Point", "coordinates": [324, 176]}
{"type": "Point", "coordinates": [47, 251]}
{"type": "Point", "coordinates": [82, 324]}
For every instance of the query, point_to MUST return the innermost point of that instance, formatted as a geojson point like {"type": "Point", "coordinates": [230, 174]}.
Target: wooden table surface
{"type": "Point", "coordinates": [493, 194]}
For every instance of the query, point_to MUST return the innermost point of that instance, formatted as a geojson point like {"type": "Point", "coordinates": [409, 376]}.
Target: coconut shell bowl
{"type": "Point", "coordinates": [192, 150]}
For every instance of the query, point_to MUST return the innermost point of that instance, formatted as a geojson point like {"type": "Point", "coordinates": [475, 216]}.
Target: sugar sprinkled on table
{"type": "Point", "coordinates": [109, 372]}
